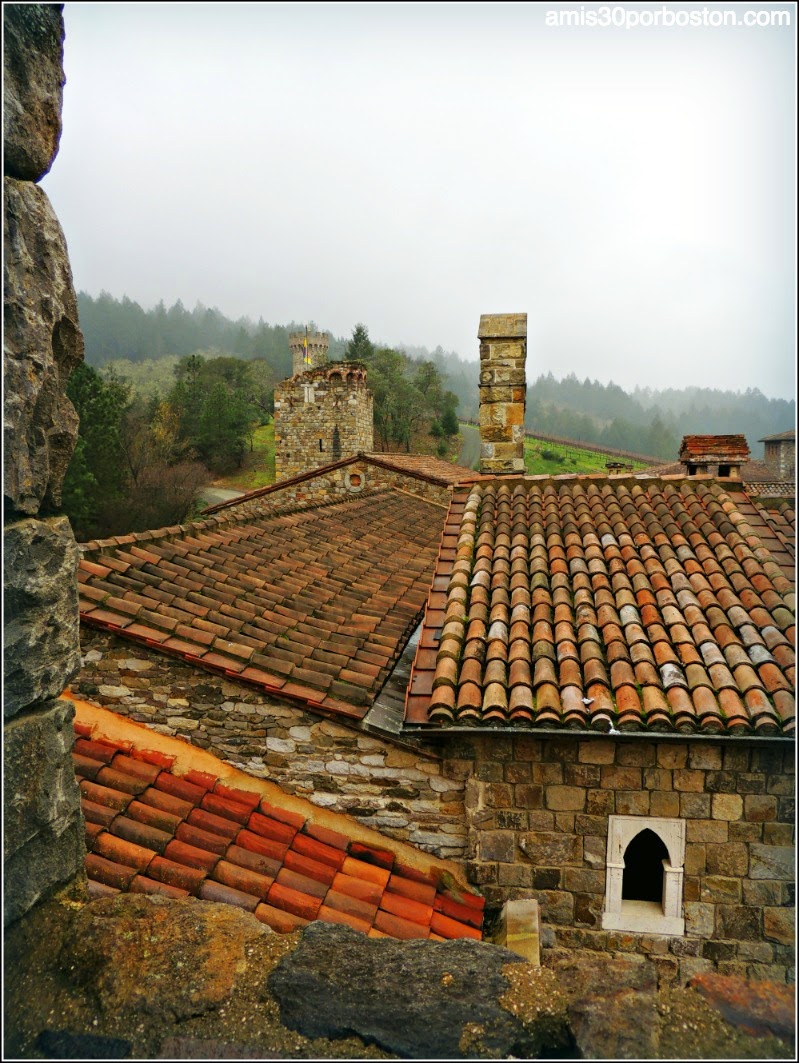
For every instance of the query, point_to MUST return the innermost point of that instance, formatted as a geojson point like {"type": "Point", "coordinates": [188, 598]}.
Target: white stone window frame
{"type": "Point", "coordinates": [645, 917]}
{"type": "Point", "coordinates": [352, 487]}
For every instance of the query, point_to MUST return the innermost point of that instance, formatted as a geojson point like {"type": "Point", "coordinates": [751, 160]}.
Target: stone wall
{"type": "Point", "coordinates": [781, 456]}
{"type": "Point", "coordinates": [337, 485]}
{"type": "Point", "coordinates": [537, 816]}
{"type": "Point", "coordinates": [503, 392]}
{"type": "Point", "coordinates": [399, 790]}
{"type": "Point", "coordinates": [43, 839]}
{"type": "Point", "coordinates": [322, 416]}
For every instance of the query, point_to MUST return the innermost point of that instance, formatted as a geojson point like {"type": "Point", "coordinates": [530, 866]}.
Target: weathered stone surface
{"type": "Point", "coordinates": [772, 861]}
{"type": "Point", "coordinates": [613, 1011]}
{"type": "Point", "coordinates": [33, 79]}
{"type": "Point", "coordinates": [421, 999]}
{"type": "Point", "coordinates": [40, 611]}
{"type": "Point", "coordinates": [61, 1044]}
{"type": "Point", "coordinates": [43, 344]}
{"type": "Point", "coordinates": [202, 949]}
{"type": "Point", "coordinates": [43, 838]}
{"type": "Point", "coordinates": [39, 785]}
{"type": "Point", "coordinates": [757, 1007]}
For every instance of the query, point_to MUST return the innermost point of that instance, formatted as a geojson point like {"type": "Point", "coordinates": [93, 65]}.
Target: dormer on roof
{"type": "Point", "coordinates": [714, 455]}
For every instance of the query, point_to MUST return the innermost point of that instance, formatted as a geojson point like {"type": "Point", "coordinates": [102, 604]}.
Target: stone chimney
{"type": "Point", "coordinates": [714, 455]}
{"type": "Point", "coordinates": [503, 391]}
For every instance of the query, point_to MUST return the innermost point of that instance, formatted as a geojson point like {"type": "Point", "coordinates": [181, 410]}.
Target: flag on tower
{"type": "Point", "coordinates": [307, 355]}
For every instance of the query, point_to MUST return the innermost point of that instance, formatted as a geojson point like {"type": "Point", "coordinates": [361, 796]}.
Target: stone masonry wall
{"type": "Point", "coordinates": [537, 815]}
{"type": "Point", "coordinates": [336, 485]}
{"type": "Point", "coordinates": [400, 791]}
{"type": "Point", "coordinates": [781, 456]}
{"type": "Point", "coordinates": [320, 417]}
{"type": "Point", "coordinates": [43, 836]}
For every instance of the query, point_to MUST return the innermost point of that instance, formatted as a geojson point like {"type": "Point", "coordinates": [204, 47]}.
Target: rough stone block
{"type": "Point", "coordinates": [33, 80]}
{"type": "Point", "coordinates": [43, 838]}
{"type": "Point", "coordinates": [706, 830]}
{"type": "Point", "coordinates": [727, 806]}
{"type": "Point", "coordinates": [664, 803]}
{"type": "Point", "coordinates": [741, 831]}
{"type": "Point", "coordinates": [548, 774]}
{"type": "Point", "coordinates": [719, 890]}
{"type": "Point", "coordinates": [617, 778]}
{"type": "Point", "coordinates": [729, 859]}
{"type": "Point", "coordinates": [778, 833]}
{"type": "Point", "coordinates": [735, 758]}
{"type": "Point", "coordinates": [672, 756]}
{"type": "Point", "coordinates": [702, 755]}
{"type": "Point", "coordinates": [721, 782]}
{"type": "Point", "coordinates": [772, 862]}
{"type": "Point", "coordinates": [762, 893]}
{"type": "Point", "coordinates": [42, 651]}
{"type": "Point", "coordinates": [686, 779]}
{"type": "Point", "coordinates": [657, 779]}
{"type": "Point", "coordinates": [556, 907]}
{"type": "Point", "coordinates": [779, 924]}
{"type": "Point", "coordinates": [549, 849]}
{"type": "Point", "coordinates": [597, 751]}
{"type": "Point", "coordinates": [600, 802]}
{"type": "Point", "coordinates": [565, 798]}
{"type": "Point", "coordinates": [585, 775]}
{"type": "Point", "coordinates": [758, 808]}
{"type": "Point", "coordinates": [695, 859]}
{"type": "Point", "coordinates": [636, 754]}
{"type": "Point", "coordinates": [42, 345]}
{"type": "Point", "coordinates": [694, 806]}
{"type": "Point", "coordinates": [632, 802]}
{"type": "Point", "coordinates": [738, 922]}
{"type": "Point", "coordinates": [498, 845]}
{"type": "Point", "coordinates": [581, 880]}
{"type": "Point", "coordinates": [699, 919]}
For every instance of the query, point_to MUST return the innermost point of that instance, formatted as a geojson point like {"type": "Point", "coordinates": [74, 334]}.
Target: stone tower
{"type": "Point", "coordinates": [324, 412]}
{"type": "Point", "coordinates": [308, 350]}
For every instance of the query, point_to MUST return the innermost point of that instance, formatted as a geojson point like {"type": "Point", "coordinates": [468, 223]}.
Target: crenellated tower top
{"type": "Point", "coordinates": [308, 350]}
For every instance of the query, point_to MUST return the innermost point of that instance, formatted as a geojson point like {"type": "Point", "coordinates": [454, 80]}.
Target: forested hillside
{"type": "Point", "coordinates": [644, 421]}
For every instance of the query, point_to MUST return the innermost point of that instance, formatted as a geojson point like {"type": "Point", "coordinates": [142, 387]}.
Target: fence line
{"type": "Point", "coordinates": [577, 444]}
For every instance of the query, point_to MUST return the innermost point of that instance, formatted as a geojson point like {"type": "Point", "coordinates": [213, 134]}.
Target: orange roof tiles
{"type": "Point", "coordinates": [693, 447]}
{"type": "Point", "coordinates": [149, 830]}
{"type": "Point", "coordinates": [315, 604]}
{"type": "Point", "coordinates": [596, 603]}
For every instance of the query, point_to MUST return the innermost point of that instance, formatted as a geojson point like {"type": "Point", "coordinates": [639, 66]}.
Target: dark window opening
{"type": "Point", "coordinates": [355, 480]}
{"type": "Point", "coordinates": [725, 470]}
{"type": "Point", "coordinates": [643, 868]}
{"type": "Point", "coordinates": [320, 445]}
{"type": "Point", "coordinates": [691, 469]}
{"type": "Point", "coordinates": [335, 378]}
{"type": "Point", "coordinates": [336, 442]}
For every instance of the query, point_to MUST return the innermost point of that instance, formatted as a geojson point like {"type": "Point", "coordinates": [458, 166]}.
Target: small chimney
{"type": "Point", "coordinates": [714, 455]}
{"type": "Point", "coordinates": [503, 392]}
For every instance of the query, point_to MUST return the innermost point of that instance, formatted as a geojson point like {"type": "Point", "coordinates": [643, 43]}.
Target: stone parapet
{"type": "Point", "coordinates": [503, 352]}
{"type": "Point", "coordinates": [309, 350]}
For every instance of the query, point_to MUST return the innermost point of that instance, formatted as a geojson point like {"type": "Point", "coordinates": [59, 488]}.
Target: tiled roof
{"type": "Point", "coordinates": [720, 446]}
{"type": "Point", "coordinates": [152, 830]}
{"type": "Point", "coordinates": [780, 437]}
{"type": "Point", "coordinates": [313, 604]}
{"type": "Point", "coordinates": [590, 602]}
{"type": "Point", "coordinates": [425, 466]}
{"type": "Point", "coordinates": [753, 470]}
{"type": "Point", "coordinates": [420, 466]}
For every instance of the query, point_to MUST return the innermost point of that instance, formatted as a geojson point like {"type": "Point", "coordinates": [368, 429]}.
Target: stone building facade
{"type": "Point", "coordinates": [321, 415]}
{"type": "Point", "coordinates": [540, 812]}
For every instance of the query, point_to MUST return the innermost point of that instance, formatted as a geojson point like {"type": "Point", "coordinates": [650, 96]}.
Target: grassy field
{"type": "Point", "coordinates": [258, 469]}
{"type": "Point", "coordinates": [554, 458]}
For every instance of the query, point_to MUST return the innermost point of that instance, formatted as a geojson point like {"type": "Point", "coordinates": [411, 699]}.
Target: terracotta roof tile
{"type": "Point", "coordinates": [199, 834]}
{"type": "Point", "coordinates": [650, 604]}
{"type": "Point", "coordinates": [347, 583]}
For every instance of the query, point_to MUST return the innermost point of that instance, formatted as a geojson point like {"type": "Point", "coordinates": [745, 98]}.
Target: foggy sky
{"type": "Point", "coordinates": [413, 166]}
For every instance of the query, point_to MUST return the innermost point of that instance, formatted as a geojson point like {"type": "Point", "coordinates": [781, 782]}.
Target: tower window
{"type": "Point", "coordinates": [644, 876]}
